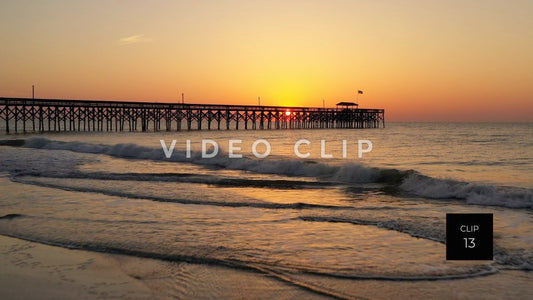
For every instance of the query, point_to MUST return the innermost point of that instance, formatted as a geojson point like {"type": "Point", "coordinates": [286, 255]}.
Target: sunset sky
{"type": "Point", "coordinates": [419, 60]}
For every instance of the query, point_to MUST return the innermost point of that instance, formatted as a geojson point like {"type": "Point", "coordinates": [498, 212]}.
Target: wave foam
{"type": "Point", "coordinates": [479, 194]}
{"type": "Point", "coordinates": [348, 173]}
{"type": "Point", "coordinates": [408, 181]}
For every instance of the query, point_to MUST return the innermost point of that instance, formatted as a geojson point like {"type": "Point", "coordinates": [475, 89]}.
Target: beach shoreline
{"type": "Point", "coordinates": [147, 227]}
{"type": "Point", "coordinates": [32, 270]}
{"type": "Point", "coordinates": [60, 273]}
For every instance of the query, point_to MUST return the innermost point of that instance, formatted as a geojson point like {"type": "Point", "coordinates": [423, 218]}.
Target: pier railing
{"type": "Point", "coordinates": [56, 115]}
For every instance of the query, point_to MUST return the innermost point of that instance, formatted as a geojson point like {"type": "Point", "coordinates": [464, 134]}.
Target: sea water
{"type": "Point", "coordinates": [309, 223]}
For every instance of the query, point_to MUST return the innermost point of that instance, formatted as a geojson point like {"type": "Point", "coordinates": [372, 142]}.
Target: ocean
{"type": "Point", "coordinates": [331, 227]}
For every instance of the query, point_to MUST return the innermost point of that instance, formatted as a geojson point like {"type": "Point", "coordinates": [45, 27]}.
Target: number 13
{"type": "Point", "coordinates": [469, 242]}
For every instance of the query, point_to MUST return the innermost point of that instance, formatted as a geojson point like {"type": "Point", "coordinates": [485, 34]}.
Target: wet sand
{"type": "Point", "coordinates": [36, 271]}
{"type": "Point", "coordinates": [30, 270]}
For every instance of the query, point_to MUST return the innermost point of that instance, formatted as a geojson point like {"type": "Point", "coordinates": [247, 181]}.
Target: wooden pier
{"type": "Point", "coordinates": [51, 115]}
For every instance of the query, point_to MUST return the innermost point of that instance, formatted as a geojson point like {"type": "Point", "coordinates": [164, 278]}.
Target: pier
{"type": "Point", "coordinates": [60, 115]}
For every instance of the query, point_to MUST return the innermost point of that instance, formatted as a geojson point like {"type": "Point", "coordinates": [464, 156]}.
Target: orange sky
{"type": "Point", "coordinates": [420, 60]}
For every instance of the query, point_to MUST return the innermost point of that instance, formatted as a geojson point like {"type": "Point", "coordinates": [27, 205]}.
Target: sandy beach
{"type": "Point", "coordinates": [60, 273]}
{"type": "Point", "coordinates": [31, 270]}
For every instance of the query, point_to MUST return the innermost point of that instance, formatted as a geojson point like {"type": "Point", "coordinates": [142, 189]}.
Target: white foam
{"type": "Point", "coordinates": [415, 183]}
{"type": "Point", "coordinates": [348, 173]}
{"type": "Point", "coordinates": [473, 193]}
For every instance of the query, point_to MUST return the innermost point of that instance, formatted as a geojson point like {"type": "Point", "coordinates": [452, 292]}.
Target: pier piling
{"type": "Point", "coordinates": [88, 115]}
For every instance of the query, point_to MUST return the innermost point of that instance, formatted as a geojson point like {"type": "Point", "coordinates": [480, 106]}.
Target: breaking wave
{"type": "Point", "coordinates": [472, 193]}
{"type": "Point", "coordinates": [408, 181]}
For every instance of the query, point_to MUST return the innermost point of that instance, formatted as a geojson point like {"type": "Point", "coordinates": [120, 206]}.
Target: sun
{"type": "Point", "coordinates": [288, 113]}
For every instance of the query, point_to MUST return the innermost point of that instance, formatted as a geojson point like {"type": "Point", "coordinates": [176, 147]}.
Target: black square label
{"type": "Point", "coordinates": [469, 237]}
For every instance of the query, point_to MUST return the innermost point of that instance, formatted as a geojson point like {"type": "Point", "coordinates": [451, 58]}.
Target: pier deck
{"type": "Point", "coordinates": [57, 115]}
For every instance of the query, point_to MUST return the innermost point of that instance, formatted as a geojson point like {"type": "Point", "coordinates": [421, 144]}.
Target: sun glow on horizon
{"type": "Point", "coordinates": [437, 61]}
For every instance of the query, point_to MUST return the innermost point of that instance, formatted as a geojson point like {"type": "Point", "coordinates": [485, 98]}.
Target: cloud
{"type": "Point", "coordinates": [134, 39]}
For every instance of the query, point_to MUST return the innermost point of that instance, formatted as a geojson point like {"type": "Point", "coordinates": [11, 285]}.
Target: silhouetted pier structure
{"type": "Point", "coordinates": [51, 115]}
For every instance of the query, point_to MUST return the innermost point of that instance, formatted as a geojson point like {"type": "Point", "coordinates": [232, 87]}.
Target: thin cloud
{"type": "Point", "coordinates": [134, 39]}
